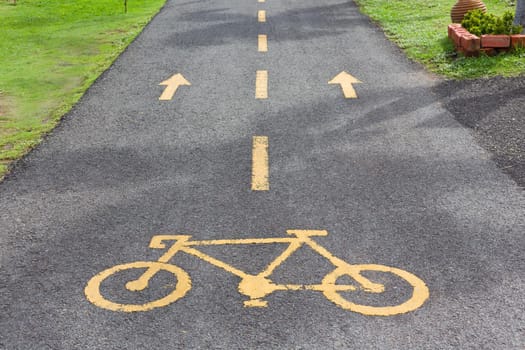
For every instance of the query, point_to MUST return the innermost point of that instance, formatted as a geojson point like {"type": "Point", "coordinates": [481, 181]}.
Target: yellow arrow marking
{"type": "Point", "coordinates": [263, 43]}
{"type": "Point", "coordinates": [261, 84]}
{"type": "Point", "coordinates": [261, 15]}
{"type": "Point", "coordinates": [346, 81]}
{"type": "Point", "coordinates": [172, 84]}
{"type": "Point", "coordinates": [260, 168]}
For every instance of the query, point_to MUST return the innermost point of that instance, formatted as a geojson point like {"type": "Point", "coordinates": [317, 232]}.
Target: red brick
{"type": "Point", "coordinates": [455, 39]}
{"type": "Point", "coordinates": [495, 41]}
{"type": "Point", "coordinates": [451, 28]}
{"type": "Point", "coordinates": [470, 43]}
{"type": "Point", "coordinates": [517, 40]}
{"type": "Point", "coordinates": [457, 34]}
{"type": "Point", "coordinates": [451, 31]}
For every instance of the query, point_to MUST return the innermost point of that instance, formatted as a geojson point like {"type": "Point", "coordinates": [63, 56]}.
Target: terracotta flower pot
{"type": "Point", "coordinates": [463, 6]}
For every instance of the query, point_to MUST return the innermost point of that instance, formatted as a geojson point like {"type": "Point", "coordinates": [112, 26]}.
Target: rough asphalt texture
{"type": "Point", "coordinates": [392, 176]}
{"type": "Point", "coordinates": [495, 110]}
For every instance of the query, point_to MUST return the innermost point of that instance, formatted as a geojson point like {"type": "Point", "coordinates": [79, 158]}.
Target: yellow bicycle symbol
{"type": "Point", "coordinates": [256, 287]}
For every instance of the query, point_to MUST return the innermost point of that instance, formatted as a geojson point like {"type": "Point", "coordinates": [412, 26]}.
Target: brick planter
{"type": "Point", "coordinates": [517, 40]}
{"type": "Point", "coordinates": [471, 45]}
{"type": "Point", "coordinates": [495, 41]}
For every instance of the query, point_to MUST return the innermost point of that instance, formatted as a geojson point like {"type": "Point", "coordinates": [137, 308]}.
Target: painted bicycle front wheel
{"type": "Point", "coordinates": [94, 295]}
{"type": "Point", "coordinates": [419, 295]}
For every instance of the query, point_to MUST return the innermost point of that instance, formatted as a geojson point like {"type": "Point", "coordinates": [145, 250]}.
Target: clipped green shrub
{"type": "Point", "coordinates": [479, 23]}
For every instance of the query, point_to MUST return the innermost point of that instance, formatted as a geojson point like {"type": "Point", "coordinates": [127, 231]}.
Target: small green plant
{"type": "Point", "coordinates": [519, 51]}
{"type": "Point", "coordinates": [479, 23]}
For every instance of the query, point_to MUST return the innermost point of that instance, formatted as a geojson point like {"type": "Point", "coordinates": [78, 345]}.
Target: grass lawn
{"type": "Point", "coordinates": [50, 52]}
{"type": "Point", "coordinates": [420, 28]}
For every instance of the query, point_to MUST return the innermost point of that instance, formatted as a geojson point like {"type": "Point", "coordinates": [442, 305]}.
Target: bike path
{"type": "Point", "coordinates": [391, 177]}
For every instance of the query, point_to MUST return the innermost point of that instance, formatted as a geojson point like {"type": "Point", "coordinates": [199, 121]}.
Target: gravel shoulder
{"type": "Point", "coordinates": [495, 111]}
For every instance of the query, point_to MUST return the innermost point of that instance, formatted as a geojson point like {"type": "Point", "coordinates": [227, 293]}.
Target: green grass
{"type": "Point", "coordinates": [419, 27]}
{"type": "Point", "coordinates": [50, 53]}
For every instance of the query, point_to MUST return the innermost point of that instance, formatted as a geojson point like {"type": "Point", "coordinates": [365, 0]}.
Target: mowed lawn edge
{"type": "Point", "coordinates": [420, 29]}
{"type": "Point", "coordinates": [51, 52]}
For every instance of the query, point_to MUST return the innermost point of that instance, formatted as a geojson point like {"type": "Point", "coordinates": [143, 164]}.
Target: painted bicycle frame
{"type": "Point", "coordinates": [258, 286]}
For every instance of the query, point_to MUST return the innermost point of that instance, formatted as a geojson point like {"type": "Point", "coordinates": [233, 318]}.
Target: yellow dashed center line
{"type": "Point", "coordinates": [263, 43]}
{"type": "Point", "coordinates": [260, 168]}
{"type": "Point", "coordinates": [261, 16]}
{"type": "Point", "coordinates": [261, 84]}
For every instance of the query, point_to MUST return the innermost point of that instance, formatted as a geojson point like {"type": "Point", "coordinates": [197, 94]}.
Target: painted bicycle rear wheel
{"type": "Point", "coordinates": [94, 295]}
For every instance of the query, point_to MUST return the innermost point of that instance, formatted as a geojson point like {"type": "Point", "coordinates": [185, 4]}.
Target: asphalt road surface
{"type": "Point", "coordinates": [382, 224]}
